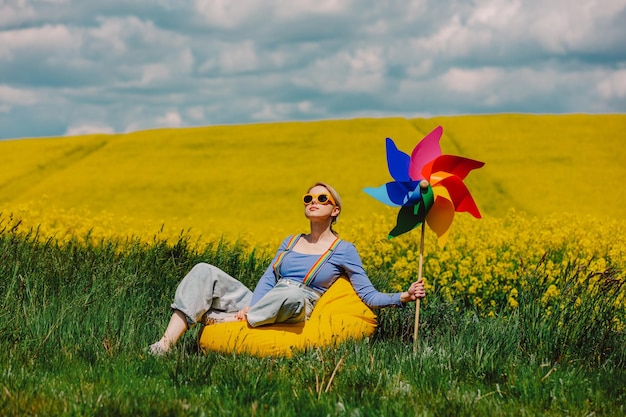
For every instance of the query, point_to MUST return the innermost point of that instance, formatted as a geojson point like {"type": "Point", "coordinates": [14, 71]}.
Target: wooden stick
{"type": "Point", "coordinates": [417, 302]}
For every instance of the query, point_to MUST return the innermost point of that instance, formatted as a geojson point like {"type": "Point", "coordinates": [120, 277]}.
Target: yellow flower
{"type": "Point", "coordinates": [551, 292]}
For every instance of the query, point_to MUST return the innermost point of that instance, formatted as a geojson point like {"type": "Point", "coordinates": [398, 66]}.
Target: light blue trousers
{"type": "Point", "coordinates": [209, 294]}
{"type": "Point", "coordinates": [206, 289]}
{"type": "Point", "coordinates": [288, 302]}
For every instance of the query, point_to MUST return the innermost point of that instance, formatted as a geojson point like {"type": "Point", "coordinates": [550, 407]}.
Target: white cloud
{"type": "Point", "coordinates": [120, 36]}
{"type": "Point", "coordinates": [612, 85]}
{"type": "Point", "coordinates": [196, 113]}
{"type": "Point", "coordinates": [494, 13]}
{"type": "Point", "coordinates": [559, 27]}
{"type": "Point", "coordinates": [170, 119]}
{"type": "Point", "coordinates": [15, 12]}
{"type": "Point", "coordinates": [281, 111]}
{"type": "Point", "coordinates": [472, 80]}
{"type": "Point", "coordinates": [88, 129]}
{"type": "Point", "coordinates": [109, 37]}
{"type": "Point", "coordinates": [128, 65]}
{"type": "Point", "coordinates": [44, 40]}
{"type": "Point", "coordinates": [419, 69]}
{"type": "Point", "coordinates": [16, 96]}
{"type": "Point", "coordinates": [290, 9]}
{"type": "Point", "coordinates": [357, 71]}
{"type": "Point", "coordinates": [142, 120]}
{"type": "Point", "coordinates": [153, 73]}
{"type": "Point", "coordinates": [238, 58]}
{"type": "Point", "coordinates": [226, 13]}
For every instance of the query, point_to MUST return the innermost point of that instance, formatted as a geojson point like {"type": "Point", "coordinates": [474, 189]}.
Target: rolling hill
{"type": "Point", "coordinates": [249, 178]}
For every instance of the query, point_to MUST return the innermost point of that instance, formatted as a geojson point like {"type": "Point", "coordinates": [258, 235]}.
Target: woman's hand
{"type": "Point", "coordinates": [241, 314]}
{"type": "Point", "coordinates": [415, 291]}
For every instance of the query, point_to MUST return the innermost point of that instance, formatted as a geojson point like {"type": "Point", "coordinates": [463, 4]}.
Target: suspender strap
{"type": "Point", "coordinates": [279, 259]}
{"type": "Point", "coordinates": [310, 276]}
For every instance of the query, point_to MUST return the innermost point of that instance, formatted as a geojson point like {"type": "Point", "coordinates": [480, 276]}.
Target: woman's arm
{"type": "Point", "coordinates": [351, 263]}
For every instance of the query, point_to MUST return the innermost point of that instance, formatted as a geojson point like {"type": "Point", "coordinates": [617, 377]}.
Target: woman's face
{"type": "Point", "coordinates": [317, 210]}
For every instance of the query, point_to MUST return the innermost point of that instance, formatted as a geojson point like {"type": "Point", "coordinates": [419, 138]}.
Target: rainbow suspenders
{"type": "Point", "coordinates": [310, 276]}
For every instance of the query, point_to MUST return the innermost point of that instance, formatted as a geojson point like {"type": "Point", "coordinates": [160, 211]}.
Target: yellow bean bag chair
{"type": "Point", "coordinates": [339, 315]}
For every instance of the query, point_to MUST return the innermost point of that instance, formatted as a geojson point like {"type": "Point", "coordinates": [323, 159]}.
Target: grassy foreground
{"type": "Point", "coordinates": [75, 318]}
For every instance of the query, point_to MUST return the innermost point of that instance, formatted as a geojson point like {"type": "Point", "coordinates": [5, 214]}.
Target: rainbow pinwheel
{"type": "Point", "coordinates": [437, 198]}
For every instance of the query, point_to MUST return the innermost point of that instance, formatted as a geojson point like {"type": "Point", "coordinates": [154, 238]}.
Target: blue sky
{"type": "Point", "coordinates": [73, 66]}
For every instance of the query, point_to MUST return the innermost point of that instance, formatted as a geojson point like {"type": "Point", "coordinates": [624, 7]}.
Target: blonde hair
{"type": "Point", "coordinates": [335, 196]}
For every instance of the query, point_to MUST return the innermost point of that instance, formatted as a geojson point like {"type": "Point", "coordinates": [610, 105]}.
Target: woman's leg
{"type": "Point", "coordinates": [175, 329]}
{"type": "Point", "coordinates": [204, 288]}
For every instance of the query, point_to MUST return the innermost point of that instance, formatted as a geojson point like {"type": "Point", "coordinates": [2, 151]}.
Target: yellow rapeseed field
{"type": "Point", "coordinates": [550, 183]}
{"type": "Point", "coordinates": [488, 260]}
{"type": "Point", "coordinates": [234, 180]}
{"type": "Point", "coordinates": [248, 179]}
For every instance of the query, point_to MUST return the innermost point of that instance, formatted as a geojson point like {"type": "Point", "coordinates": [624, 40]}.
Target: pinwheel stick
{"type": "Point", "coordinates": [423, 184]}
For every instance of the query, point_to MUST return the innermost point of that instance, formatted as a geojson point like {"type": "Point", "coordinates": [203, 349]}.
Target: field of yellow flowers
{"type": "Point", "coordinates": [551, 192]}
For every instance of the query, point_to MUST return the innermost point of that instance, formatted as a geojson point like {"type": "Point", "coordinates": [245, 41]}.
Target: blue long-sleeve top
{"type": "Point", "coordinates": [345, 260]}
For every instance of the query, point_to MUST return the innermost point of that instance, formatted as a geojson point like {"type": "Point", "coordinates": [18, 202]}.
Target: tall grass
{"type": "Point", "coordinates": [76, 316]}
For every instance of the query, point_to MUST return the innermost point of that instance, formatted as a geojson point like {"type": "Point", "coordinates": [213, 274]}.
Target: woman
{"type": "Point", "coordinates": [304, 267]}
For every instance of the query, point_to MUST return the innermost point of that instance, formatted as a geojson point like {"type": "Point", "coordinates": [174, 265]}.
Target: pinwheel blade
{"type": "Point", "coordinates": [460, 195]}
{"type": "Point", "coordinates": [397, 162]}
{"type": "Point", "coordinates": [380, 194]}
{"type": "Point", "coordinates": [425, 151]}
{"type": "Point", "coordinates": [455, 165]}
{"type": "Point", "coordinates": [392, 193]}
{"type": "Point", "coordinates": [440, 218]}
{"type": "Point", "coordinates": [411, 216]}
{"type": "Point", "coordinates": [407, 221]}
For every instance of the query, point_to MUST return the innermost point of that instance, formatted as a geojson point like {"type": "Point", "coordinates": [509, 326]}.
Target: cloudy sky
{"type": "Point", "coordinates": [76, 66]}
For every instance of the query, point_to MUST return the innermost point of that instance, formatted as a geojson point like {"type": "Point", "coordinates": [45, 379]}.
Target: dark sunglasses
{"type": "Point", "coordinates": [321, 198]}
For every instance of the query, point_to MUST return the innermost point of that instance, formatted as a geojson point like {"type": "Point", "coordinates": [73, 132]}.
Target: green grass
{"type": "Point", "coordinates": [75, 319]}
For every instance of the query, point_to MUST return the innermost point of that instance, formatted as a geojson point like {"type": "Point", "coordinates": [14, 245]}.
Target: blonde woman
{"type": "Point", "coordinates": [304, 267]}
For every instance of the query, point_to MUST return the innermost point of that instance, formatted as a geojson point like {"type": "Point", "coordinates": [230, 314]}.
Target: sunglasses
{"type": "Point", "coordinates": [321, 198]}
